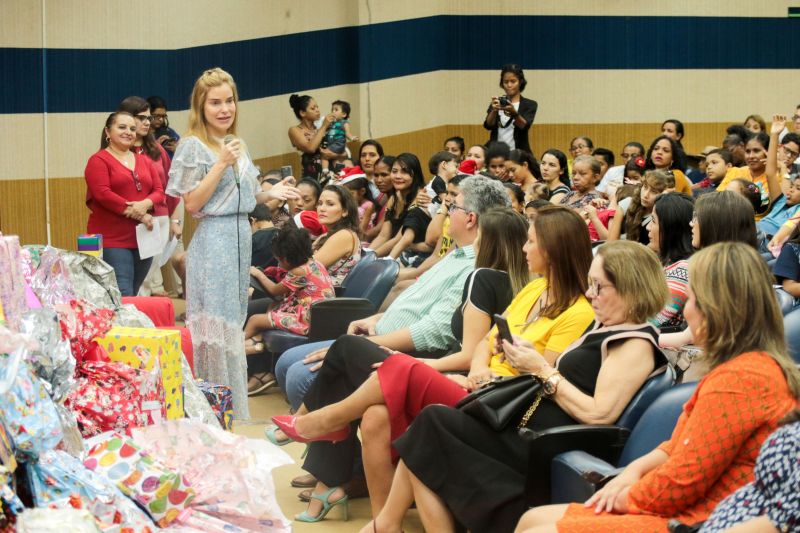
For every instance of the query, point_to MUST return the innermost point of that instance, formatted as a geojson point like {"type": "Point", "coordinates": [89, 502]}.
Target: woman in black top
{"type": "Point", "coordinates": [348, 372]}
{"type": "Point", "coordinates": [509, 117]}
{"type": "Point", "coordinates": [458, 468]}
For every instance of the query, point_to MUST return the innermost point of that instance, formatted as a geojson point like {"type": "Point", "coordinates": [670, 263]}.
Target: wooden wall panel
{"type": "Point", "coordinates": [22, 210]}
{"type": "Point", "coordinates": [22, 202]}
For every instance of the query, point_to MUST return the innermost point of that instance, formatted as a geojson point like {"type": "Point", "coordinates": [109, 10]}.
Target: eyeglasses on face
{"type": "Point", "coordinates": [453, 207]}
{"type": "Point", "coordinates": [144, 118]}
{"type": "Point", "coordinates": [789, 151]}
{"type": "Point", "coordinates": [595, 286]}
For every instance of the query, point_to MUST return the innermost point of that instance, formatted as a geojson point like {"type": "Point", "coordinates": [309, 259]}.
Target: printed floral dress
{"type": "Point", "coordinates": [312, 285]}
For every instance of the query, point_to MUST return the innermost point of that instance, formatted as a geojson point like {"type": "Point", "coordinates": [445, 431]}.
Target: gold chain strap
{"type": "Point", "coordinates": [529, 412]}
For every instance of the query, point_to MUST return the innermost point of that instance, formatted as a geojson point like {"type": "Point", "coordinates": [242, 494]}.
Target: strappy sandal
{"type": "Point", "coordinates": [263, 382]}
{"type": "Point", "coordinates": [326, 506]}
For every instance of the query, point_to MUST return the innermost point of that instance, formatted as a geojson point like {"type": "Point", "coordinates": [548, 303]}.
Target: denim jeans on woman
{"type": "Point", "coordinates": [295, 377]}
{"type": "Point", "coordinates": [128, 268]}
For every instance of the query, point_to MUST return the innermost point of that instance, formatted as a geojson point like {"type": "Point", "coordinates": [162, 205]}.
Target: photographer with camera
{"type": "Point", "coordinates": [510, 116]}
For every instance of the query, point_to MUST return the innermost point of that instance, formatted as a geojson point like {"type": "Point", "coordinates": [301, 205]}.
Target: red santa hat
{"type": "Point", "coordinates": [351, 174]}
{"type": "Point", "coordinates": [468, 166]}
{"type": "Point", "coordinates": [308, 220]}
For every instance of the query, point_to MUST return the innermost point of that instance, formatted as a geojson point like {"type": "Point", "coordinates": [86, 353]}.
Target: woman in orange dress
{"type": "Point", "coordinates": [752, 384]}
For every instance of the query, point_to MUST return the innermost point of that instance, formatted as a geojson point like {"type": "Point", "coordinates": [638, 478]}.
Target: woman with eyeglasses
{"type": "Point", "coordinates": [457, 468]}
{"type": "Point", "coordinates": [165, 136]}
{"type": "Point", "coordinates": [122, 190]}
{"type": "Point", "coordinates": [146, 144]}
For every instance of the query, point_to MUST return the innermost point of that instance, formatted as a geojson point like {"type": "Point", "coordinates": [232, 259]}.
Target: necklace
{"type": "Point", "coordinates": [304, 126]}
{"type": "Point", "coordinates": [122, 157]}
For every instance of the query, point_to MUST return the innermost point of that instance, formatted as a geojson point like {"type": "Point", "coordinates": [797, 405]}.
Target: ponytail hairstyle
{"type": "Point", "coordinates": [299, 103]}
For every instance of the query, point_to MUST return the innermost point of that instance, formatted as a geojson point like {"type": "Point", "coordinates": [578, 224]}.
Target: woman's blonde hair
{"type": "Point", "coordinates": [733, 290]}
{"type": "Point", "coordinates": [503, 233]}
{"type": "Point", "coordinates": [637, 275]}
{"type": "Point", "coordinates": [213, 77]}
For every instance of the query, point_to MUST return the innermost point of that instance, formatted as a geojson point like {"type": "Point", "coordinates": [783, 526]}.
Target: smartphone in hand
{"type": "Point", "coordinates": [502, 328]}
{"type": "Point", "coordinates": [286, 171]}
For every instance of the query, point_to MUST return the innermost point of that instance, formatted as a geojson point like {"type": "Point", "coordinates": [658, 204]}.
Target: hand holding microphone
{"type": "Point", "coordinates": [231, 151]}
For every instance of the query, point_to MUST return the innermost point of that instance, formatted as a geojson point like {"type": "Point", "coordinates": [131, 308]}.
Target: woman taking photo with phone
{"type": "Point", "coordinates": [510, 116]}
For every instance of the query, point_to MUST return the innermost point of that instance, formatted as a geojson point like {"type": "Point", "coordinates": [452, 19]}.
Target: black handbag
{"type": "Point", "coordinates": [504, 399]}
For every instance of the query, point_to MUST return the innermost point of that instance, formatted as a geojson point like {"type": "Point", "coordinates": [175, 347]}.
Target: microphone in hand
{"type": "Point", "coordinates": [227, 140]}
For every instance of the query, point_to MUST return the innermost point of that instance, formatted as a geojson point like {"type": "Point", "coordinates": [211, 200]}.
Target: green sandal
{"type": "Point", "coordinates": [326, 506]}
{"type": "Point", "coordinates": [270, 434]}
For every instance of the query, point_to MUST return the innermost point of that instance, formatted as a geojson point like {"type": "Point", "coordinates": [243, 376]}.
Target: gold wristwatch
{"type": "Point", "coordinates": [550, 385]}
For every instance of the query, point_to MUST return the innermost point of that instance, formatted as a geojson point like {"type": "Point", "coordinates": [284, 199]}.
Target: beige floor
{"type": "Point", "coordinates": [261, 409]}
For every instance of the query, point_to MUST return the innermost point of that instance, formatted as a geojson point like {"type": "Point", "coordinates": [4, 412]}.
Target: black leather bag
{"type": "Point", "coordinates": [503, 400]}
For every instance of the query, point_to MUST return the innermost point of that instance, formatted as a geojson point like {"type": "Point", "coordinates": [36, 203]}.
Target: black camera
{"type": "Point", "coordinates": [503, 100]}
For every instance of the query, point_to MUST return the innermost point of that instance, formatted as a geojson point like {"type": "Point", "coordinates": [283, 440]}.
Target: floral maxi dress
{"type": "Point", "coordinates": [216, 276]}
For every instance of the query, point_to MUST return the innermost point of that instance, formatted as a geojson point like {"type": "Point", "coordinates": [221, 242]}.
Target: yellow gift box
{"type": "Point", "coordinates": [164, 346]}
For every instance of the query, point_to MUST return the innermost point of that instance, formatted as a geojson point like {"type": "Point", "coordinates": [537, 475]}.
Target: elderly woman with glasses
{"type": "Point", "coordinates": [122, 189]}
{"type": "Point", "coordinates": [458, 468]}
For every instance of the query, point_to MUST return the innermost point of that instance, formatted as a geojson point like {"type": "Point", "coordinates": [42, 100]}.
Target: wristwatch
{"type": "Point", "coordinates": [550, 385]}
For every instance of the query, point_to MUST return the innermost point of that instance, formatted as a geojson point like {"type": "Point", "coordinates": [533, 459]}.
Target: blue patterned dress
{"type": "Point", "coordinates": [775, 492]}
{"type": "Point", "coordinates": [216, 279]}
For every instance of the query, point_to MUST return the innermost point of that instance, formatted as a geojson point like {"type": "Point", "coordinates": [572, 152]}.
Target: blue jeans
{"type": "Point", "coordinates": [791, 326]}
{"type": "Point", "coordinates": [293, 376]}
{"type": "Point", "coordinates": [128, 268]}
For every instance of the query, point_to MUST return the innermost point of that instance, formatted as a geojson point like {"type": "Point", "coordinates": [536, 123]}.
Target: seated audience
{"type": "Point", "coordinates": [616, 174]}
{"type": "Point", "coordinates": [477, 153]}
{"type": "Point", "coordinates": [606, 159]}
{"type": "Point", "coordinates": [637, 215]}
{"type": "Point", "coordinates": [523, 169]}
{"type": "Point", "coordinates": [755, 124]}
{"type": "Point", "coordinates": [532, 209]}
{"type": "Point", "coordinates": [555, 174]}
{"type": "Point", "coordinates": [585, 175]}
{"type": "Point", "coordinates": [382, 181]}
{"type": "Point", "coordinates": [347, 384]}
{"type": "Point", "coordinates": [355, 181]}
{"type": "Point", "coordinates": [474, 475]}
{"type": "Point", "coordinates": [756, 172]}
{"type": "Point", "coordinates": [671, 238]}
{"type": "Point", "coordinates": [497, 153]}
{"type": "Point", "coordinates": [718, 162]}
{"type": "Point", "coordinates": [579, 146]}
{"type": "Point", "coordinates": [666, 154]}
{"type": "Point", "coordinates": [455, 145]}
{"type": "Point", "coordinates": [752, 384]}
{"type": "Point", "coordinates": [787, 273]}
{"type": "Point", "coordinates": [263, 233]}
{"type": "Point", "coordinates": [444, 166]}
{"type": "Point", "coordinates": [407, 179]}
{"type": "Point", "coordinates": [723, 216]}
{"type": "Point", "coordinates": [306, 281]}
{"type": "Point", "coordinates": [516, 196]}
{"type": "Point", "coordinates": [769, 502]}
{"type": "Point", "coordinates": [434, 297]}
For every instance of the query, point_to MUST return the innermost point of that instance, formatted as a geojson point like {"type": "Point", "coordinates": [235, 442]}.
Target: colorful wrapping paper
{"type": "Point", "coordinates": [122, 344]}
{"type": "Point", "coordinates": [28, 412]}
{"type": "Point", "coordinates": [52, 281]}
{"type": "Point", "coordinates": [80, 324]}
{"type": "Point", "coordinates": [58, 476]}
{"type": "Point", "coordinates": [220, 398]}
{"type": "Point", "coordinates": [231, 474]}
{"type": "Point", "coordinates": [12, 281]}
{"type": "Point", "coordinates": [162, 492]}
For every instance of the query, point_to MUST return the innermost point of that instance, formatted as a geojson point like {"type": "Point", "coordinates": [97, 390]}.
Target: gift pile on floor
{"type": "Point", "coordinates": [102, 426]}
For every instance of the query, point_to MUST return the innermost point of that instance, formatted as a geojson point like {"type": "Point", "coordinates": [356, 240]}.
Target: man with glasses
{"type": "Point", "coordinates": [616, 175]}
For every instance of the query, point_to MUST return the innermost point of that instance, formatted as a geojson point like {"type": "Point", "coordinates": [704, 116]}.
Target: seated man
{"type": "Point", "coordinates": [419, 319]}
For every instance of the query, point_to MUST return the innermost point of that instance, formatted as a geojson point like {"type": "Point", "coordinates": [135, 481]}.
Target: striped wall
{"type": "Point", "coordinates": [415, 72]}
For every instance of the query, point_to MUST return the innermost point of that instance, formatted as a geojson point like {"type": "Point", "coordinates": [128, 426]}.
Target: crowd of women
{"type": "Point", "coordinates": [593, 267]}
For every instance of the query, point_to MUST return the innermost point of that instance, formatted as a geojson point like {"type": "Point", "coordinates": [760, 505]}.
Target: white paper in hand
{"type": "Point", "coordinates": [149, 241]}
{"type": "Point", "coordinates": [169, 249]}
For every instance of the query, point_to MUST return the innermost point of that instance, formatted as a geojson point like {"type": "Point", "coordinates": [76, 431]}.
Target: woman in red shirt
{"type": "Point", "coordinates": [121, 191]}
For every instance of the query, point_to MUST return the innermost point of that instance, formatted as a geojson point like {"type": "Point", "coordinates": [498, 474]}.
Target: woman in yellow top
{"type": "Point", "coordinates": [761, 169]}
{"type": "Point", "coordinates": [666, 154]}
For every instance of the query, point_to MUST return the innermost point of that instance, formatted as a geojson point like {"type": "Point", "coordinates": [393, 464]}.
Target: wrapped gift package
{"type": "Point", "coordinates": [220, 398]}
{"type": "Point", "coordinates": [12, 280]}
{"type": "Point", "coordinates": [164, 347]}
{"type": "Point", "coordinates": [162, 492]}
{"type": "Point", "coordinates": [91, 244]}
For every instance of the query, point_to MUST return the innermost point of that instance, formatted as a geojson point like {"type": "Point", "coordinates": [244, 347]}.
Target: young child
{"type": "Point", "coordinates": [718, 162]}
{"type": "Point", "coordinates": [516, 196]}
{"type": "Point", "coordinates": [598, 215]}
{"type": "Point", "coordinates": [633, 219]}
{"type": "Point", "coordinates": [355, 181]}
{"type": "Point", "coordinates": [338, 133]}
{"type": "Point", "coordinates": [783, 209]}
{"type": "Point", "coordinates": [532, 208]}
{"type": "Point", "coordinates": [307, 281]}
{"type": "Point", "coordinates": [496, 156]}
{"type": "Point", "coordinates": [538, 191]}
{"type": "Point", "coordinates": [444, 166]}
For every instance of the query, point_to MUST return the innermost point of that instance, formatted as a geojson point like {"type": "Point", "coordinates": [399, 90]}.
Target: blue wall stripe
{"type": "Point", "coordinates": [89, 80]}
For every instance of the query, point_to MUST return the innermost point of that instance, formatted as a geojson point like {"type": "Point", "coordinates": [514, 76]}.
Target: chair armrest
{"type": "Point", "coordinates": [576, 475]}
{"type": "Point", "coordinates": [330, 318]}
{"type": "Point", "coordinates": [603, 441]}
